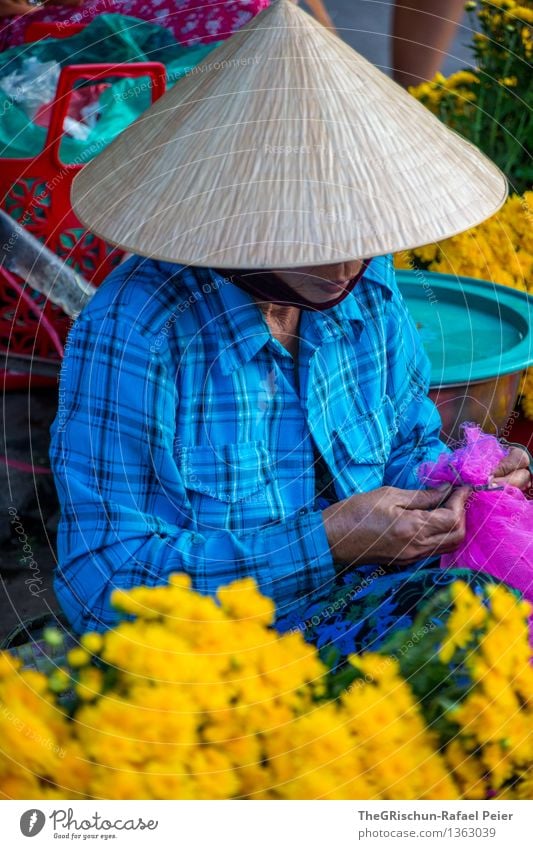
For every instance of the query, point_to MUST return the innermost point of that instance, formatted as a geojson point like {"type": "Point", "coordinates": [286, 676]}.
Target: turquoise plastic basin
{"type": "Point", "coordinates": [472, 330]}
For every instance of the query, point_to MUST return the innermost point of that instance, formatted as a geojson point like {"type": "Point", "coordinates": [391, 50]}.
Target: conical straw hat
{"type": "Point", "coordinates": [285, 148]}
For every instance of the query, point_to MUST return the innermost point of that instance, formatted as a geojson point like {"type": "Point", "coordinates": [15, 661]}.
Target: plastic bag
{"type": "Point", "coordinates": [499, 521]}
{"type": "Point", "coordinates": [471, 464]}
{"type": "Point", "coordinates": [33, 88]}
{"type": "Point", "coordinates": [108, 38]}
{"type": "Point", "coordinates": [33, 85]}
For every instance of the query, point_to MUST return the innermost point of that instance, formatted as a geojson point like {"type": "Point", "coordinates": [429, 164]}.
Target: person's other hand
{"type": "Point", "coordinates": [9, 8]}
{"type": "Point", "coordinates": [390, 525]}
{"type": "Point", "coordinates": [513, 469]}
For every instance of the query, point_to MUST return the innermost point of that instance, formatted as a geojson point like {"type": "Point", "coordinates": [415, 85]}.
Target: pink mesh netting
{"type": "Point", "coordinates": [499, 522]}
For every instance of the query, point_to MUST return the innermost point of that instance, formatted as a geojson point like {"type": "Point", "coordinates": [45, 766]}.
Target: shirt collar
{"type": "Point", "coordinates": [242, 330]}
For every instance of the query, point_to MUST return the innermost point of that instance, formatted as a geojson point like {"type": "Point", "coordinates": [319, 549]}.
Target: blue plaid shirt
{"type": "Point", "coordinates": [183, 440]}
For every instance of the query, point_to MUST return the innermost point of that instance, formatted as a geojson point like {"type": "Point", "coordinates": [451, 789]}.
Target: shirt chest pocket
{"type": "Point", "coordinates": [367, 438]}
{"type": "Point", "coordinates": [233, 472]}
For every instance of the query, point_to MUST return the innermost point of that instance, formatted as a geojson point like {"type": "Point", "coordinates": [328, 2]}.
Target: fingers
{"type": "Point", "coordinates": [457, 500]}
{"type": "Point", "coordinates": [452, 529]}
{"type": "Point", "coordinates": [517, 458]}
{"type": "Point", "coordinates": [521, 479]}
{"type": "Point", "coordinates": [437, 531]}
{"type": "Point", "coordinates": [440, 544]}
{"type": "Point", "coordinates": [14, 7]}
{"type": "Point", "coordinates": [514, 469]}
{"type": "Point", "coordinates": [445, 518]}
{"type": "Point", "coordinates": [423, 545]}
{"type": "Point", "coordinates": [443, 543]}
{"type": "Point", "coordinates": [422, 499]}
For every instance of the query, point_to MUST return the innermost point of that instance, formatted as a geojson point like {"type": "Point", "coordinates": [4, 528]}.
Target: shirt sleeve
{"type": "Point", "coordinates": [417, 439]}
{"type": "Point", "coordinates": [125, 517]}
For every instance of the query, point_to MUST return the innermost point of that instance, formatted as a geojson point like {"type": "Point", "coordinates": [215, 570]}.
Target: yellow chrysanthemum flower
{"type": "Point", "coordinates": [460, 78]}
{"type": "Point", "coordinates": [522, 13]}
{"type": "Point", "coordinates": [217, 705]}
{"type": "Point", "coordinates": [92, 642]}
{"type": "Point", "coordinates": [498, 4]}
{"type": "Point", "coordinates": [89, 685]}
{"type": "Point", "coordinates": [78, 657]}
{"type": "Point", "coordinates": [499, 250]}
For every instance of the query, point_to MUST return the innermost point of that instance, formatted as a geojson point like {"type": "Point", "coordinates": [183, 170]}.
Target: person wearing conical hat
{"type": "Point", "coordinates": [246, 395]}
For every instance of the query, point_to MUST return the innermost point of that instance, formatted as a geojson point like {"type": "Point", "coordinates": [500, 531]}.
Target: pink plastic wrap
{"type": "Point", "coordinates": [472, 464]}
{"type": "Point", "coordinates": [499, 522]}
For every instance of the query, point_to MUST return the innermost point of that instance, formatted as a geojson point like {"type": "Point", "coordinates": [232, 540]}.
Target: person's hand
{"type": "Point", "coordinates": [390, 525]}
{"type": "Point", "coordinates": [513, 469]}
{"type": "Point", "coordinates": [9, 8]}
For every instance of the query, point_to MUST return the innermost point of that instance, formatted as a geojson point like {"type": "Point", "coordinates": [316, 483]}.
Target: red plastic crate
{"type": "Point", "coordinates": [35, 191]}
{"type": "Point", "coordinates": [37, 30]}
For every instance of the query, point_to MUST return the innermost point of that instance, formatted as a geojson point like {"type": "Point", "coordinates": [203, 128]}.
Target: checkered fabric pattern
{"type": "Point", "coordinates": [182, 443]}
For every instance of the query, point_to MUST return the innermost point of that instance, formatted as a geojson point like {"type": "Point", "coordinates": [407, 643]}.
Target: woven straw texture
{"type": "Point", "coordinates": [285, 148]}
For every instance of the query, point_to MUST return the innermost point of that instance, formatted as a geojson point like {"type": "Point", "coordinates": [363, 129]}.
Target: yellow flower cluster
{"type": "Point", "coordinates": [510, 14]}
{"type": "Point", "coordinates": [40, 757]}
{"type": "Point", "coordinates": [468, 614]}
{"type": "Point", "coordinates": [454, 88]}
{"type": "Point", "coordinates": [509, 9]}
{"type": "Point", "coordinates": [197, 700]}
{"type": "Point", "coordinates": [499, 250]}
{"type": "Point", "coordinates": [209, 702]}
{"type": "Point", "coordinates": [485, 108]}
{"type": "Point", "coordinates": [495, 742]}
{"type": "Point", "coordinates": [522, 13]}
